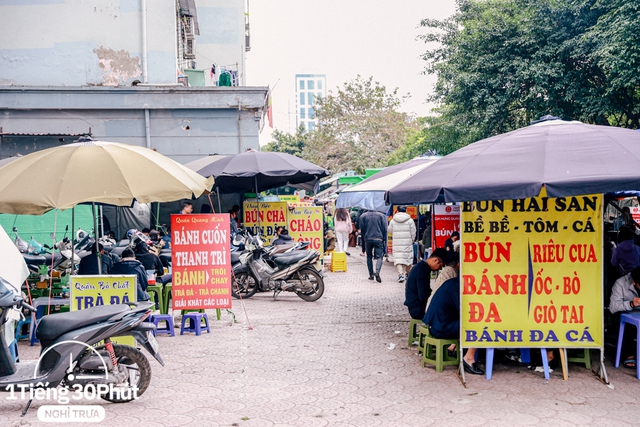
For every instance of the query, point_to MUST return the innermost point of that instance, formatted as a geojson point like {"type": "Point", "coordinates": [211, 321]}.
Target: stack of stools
{"type": "Point", "coordinates": [338, 261]}
{"type": "Point", "coordinates": [157, 319]}
{"type": "Point", "coordinates": [195, 323]}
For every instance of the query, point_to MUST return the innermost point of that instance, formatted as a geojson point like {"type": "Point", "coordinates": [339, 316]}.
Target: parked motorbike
{"type": "Point", "coordinates": [118, 373]}
{"type": "Point", "coordinates": [262, 269]}
{"type": "Point", "coordinates": [36, 254]}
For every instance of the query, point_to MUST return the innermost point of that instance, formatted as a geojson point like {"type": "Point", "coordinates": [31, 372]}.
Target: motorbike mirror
{"type": "Point", "coordinates": [52, 235]}
{"type": "Point", "coordinates": [15, 229]}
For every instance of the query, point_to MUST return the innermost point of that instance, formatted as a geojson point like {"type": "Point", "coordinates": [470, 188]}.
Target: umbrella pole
{"type": "Point", "coordinates": [101, 220]}
{"type": "Point", "coordinates": [211, 203]}
{"type": "Point", "coordinates": [73, 237]}
{"type": "Point", "coordinates": [95, 235]}
{"type": "Point", "coordinates": [258, 203]}
{"type": "Point", "coordinates": [218, 194]}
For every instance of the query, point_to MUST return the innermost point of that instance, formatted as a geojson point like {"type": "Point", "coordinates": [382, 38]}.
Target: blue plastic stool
{"type": "Point", "coordinates": [489, 362]}
{"type": "Point", "coordinates": [21, 323]}
{"type": "Point", "coordinates": [156, 319]}
{"type": "Point", "coordinates": [632, 319]}
{"type": "Point", "coordinates": [39, 313]}
{"type": "Point", "coordinates": [13, 350]}
{"type": "Point", "coordinates": [195, 323]}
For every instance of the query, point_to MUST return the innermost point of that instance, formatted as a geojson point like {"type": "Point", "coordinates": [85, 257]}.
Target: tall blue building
{"type": "Point", "coordinates": [308, 88]}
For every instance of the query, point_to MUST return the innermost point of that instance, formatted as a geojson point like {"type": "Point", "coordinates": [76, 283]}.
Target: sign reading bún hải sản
{"type": "Point", "coordinates": [531, 272]}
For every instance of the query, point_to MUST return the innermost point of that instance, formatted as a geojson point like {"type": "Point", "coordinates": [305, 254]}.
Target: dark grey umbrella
{"type": "Point", "coordinates": [244, 172]}
{"type": "Point", "coordinates": [569, 158]}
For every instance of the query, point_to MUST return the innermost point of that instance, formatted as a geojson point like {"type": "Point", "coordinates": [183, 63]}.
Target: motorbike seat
{"type": "Point", "coordinates": [34, 259]}
{"type": "Point", "coordinates": [54, 256]}
{"type": "Point", "coordinates": [290, 257]}
{"type": "Point", "coordinates": [54, 325]}
{"type": "Point", "coordinates": [278, 249]}
{"type": "Point", "coordinates": [235, 257]}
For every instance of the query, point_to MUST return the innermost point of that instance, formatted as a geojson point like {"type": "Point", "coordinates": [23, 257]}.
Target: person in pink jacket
{"type": "Point", "coordinates": [342, 226]}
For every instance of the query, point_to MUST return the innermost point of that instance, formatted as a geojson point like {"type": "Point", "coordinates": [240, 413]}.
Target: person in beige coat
{"type": "Point", "coordinates": [403, 233]}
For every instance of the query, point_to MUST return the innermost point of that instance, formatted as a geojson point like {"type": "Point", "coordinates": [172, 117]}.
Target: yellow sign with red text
{"type": "Point", "coordinates": [305, 225]}
{"type": "Point", "coordinates": [531, 272]}
{"type": "Point", "coordinates": [270, 216]}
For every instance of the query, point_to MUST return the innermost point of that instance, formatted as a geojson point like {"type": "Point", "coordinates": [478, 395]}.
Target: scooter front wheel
{"type": "Point", "coordinates": [244, 286]}
{"type": "Point", "coordinates": [307, 274]}
{"type": "Point", "coordinates": [139, 375]}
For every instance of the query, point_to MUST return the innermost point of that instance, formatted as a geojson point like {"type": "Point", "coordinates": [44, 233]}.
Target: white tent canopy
{"type": "Point", "coordinates": [369, 194]}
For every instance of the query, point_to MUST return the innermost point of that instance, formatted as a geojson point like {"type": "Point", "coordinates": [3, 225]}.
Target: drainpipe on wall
{"type": "Point", "coordinates": [145, 75]}
{"type": "Point", "coordinates": [240, 140]}
{"type": "Point", "coordinates": [145, 71]}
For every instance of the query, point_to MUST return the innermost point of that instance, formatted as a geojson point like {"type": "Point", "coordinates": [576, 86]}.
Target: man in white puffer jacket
{"type": "Point", "coordinates": [403, 233]}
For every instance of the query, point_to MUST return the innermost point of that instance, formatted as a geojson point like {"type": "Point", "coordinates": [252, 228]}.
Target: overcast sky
{"type": "Point", "coordinates": [339, 38]}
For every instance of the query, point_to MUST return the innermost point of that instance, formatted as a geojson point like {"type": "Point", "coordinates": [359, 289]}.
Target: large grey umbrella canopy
{"type": "Point", "coordinates": [241, 173]}
{"type": "Point", "coordinates": [94, 171]}
{"type": "Point", "coordinates": [569, 158]}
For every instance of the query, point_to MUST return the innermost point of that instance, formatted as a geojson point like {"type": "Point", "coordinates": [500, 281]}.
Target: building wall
{"type": "Point", "coordinates": [184, 123]}
{"type": "Point", "coordinates": [85, 43]}
{"type": "Point", "coordinates": [308, 87]}
{"type": "Point", "coordinates": [222, 35]}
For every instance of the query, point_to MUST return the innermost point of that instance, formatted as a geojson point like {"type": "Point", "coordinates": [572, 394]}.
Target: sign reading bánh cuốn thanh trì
{"type": "Point", "coordinates": [200, 261]}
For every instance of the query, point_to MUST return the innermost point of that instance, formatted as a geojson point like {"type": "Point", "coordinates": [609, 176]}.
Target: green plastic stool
{"type": "Point", "coordinates": [166, 293]}
{"type": "Point", "coordinates": [434, 351]}
{"type": "Point", "coordinates": [155, 292]}
{"type": "Point", "coordinates": [414, 333]}
{"type": "Point", "coordinates": [584, 358]}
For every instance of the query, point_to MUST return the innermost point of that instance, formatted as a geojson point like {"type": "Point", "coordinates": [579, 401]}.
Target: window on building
{"type": "Point", "coordinates": [320, 84]}
{"type": "Point", "coordinates": [302, 84]}
{"type": "Point", "coordinates": [312, 113]}
{"type": "Point", "coordinates": [302, 113]}
{"type": "Point", "coordinates": [319, 95]}
{"type": "Point", "coordinates": [312, 98]}
{"type": "Point", "coordinates": [310, 85]}
{"type": "Point", "coordinates": [302, 99]}
{"type": "Point", "coordinates": [311, 126]}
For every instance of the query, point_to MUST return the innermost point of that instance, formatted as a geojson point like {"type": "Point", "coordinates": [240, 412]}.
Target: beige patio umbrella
{"type": "Point", "coordinates": [94, 171]}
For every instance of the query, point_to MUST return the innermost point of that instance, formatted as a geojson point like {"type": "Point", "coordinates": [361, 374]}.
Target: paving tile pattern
{"type": "Point", "coordinates": [343, 361]}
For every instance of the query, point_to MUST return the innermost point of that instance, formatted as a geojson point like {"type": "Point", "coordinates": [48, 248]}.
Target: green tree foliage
{"type": "Point", "coordinates": [616, 37]}
{"type": "Point", "coordinates": [502, 63]}
{"type": "Point", "coordinates": [284, 142]}
{"type": "Point", "coordinates": [359, 127]}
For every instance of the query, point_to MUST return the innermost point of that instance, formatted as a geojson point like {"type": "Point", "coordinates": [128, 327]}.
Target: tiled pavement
{"type": "Point", "coordinates": [331, 363]}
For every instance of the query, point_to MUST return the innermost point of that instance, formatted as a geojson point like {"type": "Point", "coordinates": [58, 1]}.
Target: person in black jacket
{"type": "Point", "coordinates": [283, 237]}
{"type": "Point", "coordinates": [418, 288]}
{"type": "Point", "coordinates": [443, 320]}
{"type": "Point", "coordinates": [149, 261]}
{"type": "Point", "coordinates": [129, 265]}
{"type": "Point", "coordinates": [89, 264]}
{"type": "Point", "coordinates": [373, 226]}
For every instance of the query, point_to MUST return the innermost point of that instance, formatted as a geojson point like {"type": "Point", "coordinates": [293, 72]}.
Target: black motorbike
{"type": "Point", "coordinates": [264, 269]}
{"type": "Point", "coordinates": [68, 358]}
